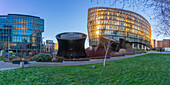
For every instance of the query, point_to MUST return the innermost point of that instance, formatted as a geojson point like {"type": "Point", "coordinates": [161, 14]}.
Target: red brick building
{"type": "Point", "coordinates": [164, 44]}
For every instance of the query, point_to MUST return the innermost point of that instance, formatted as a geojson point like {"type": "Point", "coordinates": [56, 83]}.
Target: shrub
{"type": "Point", "coordinates": [42, 57]}
{"type": "Point", "coordinates": [10, 58]}
{"type": "Point", "coordinates": [154, 49]}
{"type": "Point", "coordinates": [140, 50]}
{"type": "Point", "coordinates": [96, 53]}
{"type": "Point", "coordinates": [149, 50]}
{"type": "Point", "coordinates": [13, 57]}
{"type": "Point", "coordinates": [122, 51]}
{"type": "Point", "coordinates": [1, 58]}
{"type": "Point", "coordinates": [17, 58]}
{"type": "Point", "coordinates": [21, 55]}
{"type": "Point", "coordinates": [163, 50]}
{"type": "Point", "coordinates": [33, 54]}
{"type": "Point", "coordinates": [57, 59]}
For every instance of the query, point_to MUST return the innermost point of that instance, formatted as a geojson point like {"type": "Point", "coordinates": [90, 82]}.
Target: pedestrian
{"type": "Point", "coordinates": [160, 49]}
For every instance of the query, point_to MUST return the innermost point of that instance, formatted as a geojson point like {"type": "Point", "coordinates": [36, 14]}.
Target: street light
{"type": "Point", "coordinates": [8, 48]}
{"type": "Point", "coordinates": [41, 44]}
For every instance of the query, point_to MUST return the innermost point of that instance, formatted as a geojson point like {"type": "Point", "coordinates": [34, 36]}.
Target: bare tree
{"type": "Point", "coordinates": [5, 45]}
{"type": "Point", "coordinates": [24, 50]}
{"type": "Point", "coordinates": [157, 10]}
{"type": "Point", "coordinates": [106, 42]}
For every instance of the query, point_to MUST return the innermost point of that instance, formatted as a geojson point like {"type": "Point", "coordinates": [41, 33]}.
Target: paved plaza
{"type": "Point", "coordinates": [6, 66]}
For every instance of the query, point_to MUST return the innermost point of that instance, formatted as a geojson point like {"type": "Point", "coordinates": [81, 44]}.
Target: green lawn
{"type": "Point", "coordinates": [147, 69]}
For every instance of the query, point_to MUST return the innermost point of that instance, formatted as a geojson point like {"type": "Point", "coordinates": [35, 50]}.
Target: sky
{"type": "Point", "coordinates": [59, 15]}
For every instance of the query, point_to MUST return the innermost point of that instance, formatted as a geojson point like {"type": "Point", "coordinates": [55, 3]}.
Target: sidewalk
{"type": "Point", "coordinates": [158, 52]}
{"type": "Point", "coordinates": [93, 61]}
{"type": "Point", "coordinates": [6, 66]}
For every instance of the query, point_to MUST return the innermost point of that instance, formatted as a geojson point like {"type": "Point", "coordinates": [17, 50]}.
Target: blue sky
{"type": "Point", "coordinates": [59, 15]}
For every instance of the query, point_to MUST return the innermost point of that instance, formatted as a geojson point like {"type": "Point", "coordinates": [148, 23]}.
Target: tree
{"type": "Point", "coordinates": [24, 46]}
{"type": "Point", "coordinates": [160, 12]}
{"type": "Point", "coordinates": [106, 42]}
{"type": "Point", "coordinates": [5, 45]}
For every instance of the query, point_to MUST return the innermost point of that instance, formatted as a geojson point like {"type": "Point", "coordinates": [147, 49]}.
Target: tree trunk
{"type": "Point", "coordinates": [106, 55]}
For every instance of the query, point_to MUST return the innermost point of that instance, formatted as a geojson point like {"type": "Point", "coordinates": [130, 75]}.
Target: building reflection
{"type": "Point", "coordinates": [22, 32]}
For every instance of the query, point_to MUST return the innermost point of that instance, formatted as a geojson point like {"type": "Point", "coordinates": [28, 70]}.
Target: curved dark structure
{"type": "Point", "coordinates": [71, 45]}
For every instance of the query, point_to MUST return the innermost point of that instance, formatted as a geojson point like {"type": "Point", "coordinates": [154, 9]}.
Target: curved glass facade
{"type": "Point", "coordinates": [117, 23]}
{"type": "Point", "coordinates": [21, 31]}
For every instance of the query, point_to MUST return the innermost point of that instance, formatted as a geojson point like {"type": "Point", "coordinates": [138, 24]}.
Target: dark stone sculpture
{"type": "Point", "coordinates": [71, 45]}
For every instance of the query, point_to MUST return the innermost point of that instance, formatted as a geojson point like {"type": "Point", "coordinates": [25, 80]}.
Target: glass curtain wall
{"type": "Point", "coordinates": [117, 23]}
{"type": "Point", "coordinates": [21, 32]}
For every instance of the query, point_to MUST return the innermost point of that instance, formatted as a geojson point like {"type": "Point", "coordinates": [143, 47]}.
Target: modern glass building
{"type": "Point", "coordinates": [117, 23]}
{"type": "Point", "coordinates": [21, 32]}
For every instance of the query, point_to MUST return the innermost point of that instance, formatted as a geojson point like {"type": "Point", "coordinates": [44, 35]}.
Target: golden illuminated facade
{"type": "Point", "coordinates": [55, 46]}
{"type": "Point", "coordinates": [117, 23]}
{"type": "Point", "coordinates": [153, 43]}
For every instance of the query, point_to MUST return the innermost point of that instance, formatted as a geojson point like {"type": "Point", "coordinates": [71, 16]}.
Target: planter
{"type": "Point", "coordinates": [117, 55]}
{"type": "Point", "coordinates": [80, 59]}
{"type": "Point", "coordinates": [138, 52]}
{"type": "Point", "coordinates": [18, 62]}
{"type": "Point", "coordinates": [100, 57]}
{"type": "Point", "coordinates": [130, 53]}
{"type": "Point", "coordinates": [49, 60]}
{"type": "Point", "coordinates": [7, 60]}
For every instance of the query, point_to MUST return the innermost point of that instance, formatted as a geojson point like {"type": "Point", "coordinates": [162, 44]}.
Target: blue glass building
{"type": "Point", "coordinates": [23, 32]}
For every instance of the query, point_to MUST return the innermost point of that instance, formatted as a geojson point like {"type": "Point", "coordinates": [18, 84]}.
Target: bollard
{"type": "Point", "coordinates": [21, 64]}
{"type": "Point", "coordinates": [93, 67]}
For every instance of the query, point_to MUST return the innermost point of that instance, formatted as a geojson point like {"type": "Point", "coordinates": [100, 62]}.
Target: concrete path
{"type": "Point", "coordinates": [93, 61]}
{"type": "Point", "coordinates": [158, 52]}
{"type": "Point", "coordinates": [71, 63]}
{"type": "Point", "coordinates": [6, 66]}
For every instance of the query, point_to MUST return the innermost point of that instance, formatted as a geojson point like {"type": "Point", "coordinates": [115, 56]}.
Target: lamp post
{"type": "Point", "coordinates": [44, 47]}
{"type": "Point", "coordinates": [8, 48]}
{"type": "Point", "coordinates": [41, 44]}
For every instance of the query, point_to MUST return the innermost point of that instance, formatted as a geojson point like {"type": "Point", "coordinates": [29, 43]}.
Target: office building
{"type": "Point", "coordinates": [116, 24]}
{"type": "Point", "coordinates": [21, 32]}
{"type": "Point", "coordinates": [165, 43]}
{"type": "Point", "coordinates": [49, 46]}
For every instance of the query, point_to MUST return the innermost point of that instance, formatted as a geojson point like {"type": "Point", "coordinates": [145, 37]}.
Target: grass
{"type": "Point", "coordinates": [146, 69]}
